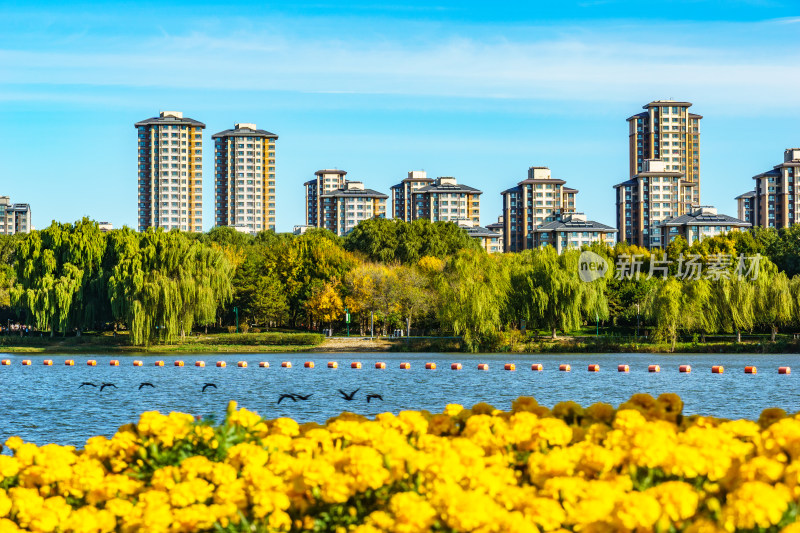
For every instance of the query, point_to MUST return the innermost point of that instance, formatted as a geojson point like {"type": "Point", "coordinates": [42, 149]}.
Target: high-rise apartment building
{"type": "Point", "coordinates": [343, 209]}
{"type": "Point", "coordinates": [170, 172]}
{"type": "Point", "coordinates": [537, 200]}
{"type": "Point", "coordinates": [666, 131]}
{"type": "Point", "coordinates": [445, 200]}
{"type": "Point", "coordinates": [775, 201]}
{"type": "Point", "coordinates": [403, 194]}
{"type": "Point", "coordinates": [244, 178]}
{"type": "Point", "coordinates": [652, 196]}
{"type": "Point", "coordinates": [324, 181]}
{"type": "Point", "coordinates": [14, 218]}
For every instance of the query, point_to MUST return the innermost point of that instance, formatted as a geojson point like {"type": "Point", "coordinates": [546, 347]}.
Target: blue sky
{"type": "Point", "coordinates": [476, 90]}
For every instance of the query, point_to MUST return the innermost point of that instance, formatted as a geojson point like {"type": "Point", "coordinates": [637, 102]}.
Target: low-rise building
{"type": "Point", "coordinates": [498, 227]}
{"type": "Point", "coordinates": [105, 227]}
{"type": "Point", "coordinates": [571, 231]}
{"type": "Point", "coordinates": [14, 218]}
{"type": "Point", "coordinates": [775, 201]}
{"type": "Point", "coordinates": [343, 209]}
{"type": "Point", "coordinates": [535, 201]}
{"type": "Point", "coordinates": [491, 241]}
{"type": "Point", "coordinates": [699, 224]}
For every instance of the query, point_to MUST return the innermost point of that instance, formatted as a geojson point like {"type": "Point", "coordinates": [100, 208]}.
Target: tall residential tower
{"type": "Point", "coordinates": [775, 201]}
{"type": "Point", "coordinates": [170, 172]}
{"type": "Point", "coordinates": [244, 178]}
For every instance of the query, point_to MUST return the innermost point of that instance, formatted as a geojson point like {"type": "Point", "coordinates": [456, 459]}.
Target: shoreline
{"type": "Point", "coordinates": [209, 345]}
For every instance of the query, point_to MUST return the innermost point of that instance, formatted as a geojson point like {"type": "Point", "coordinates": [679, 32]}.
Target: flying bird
{"type": "Point", "coordinates": [284, 396]}
{"type": "Point", "coordinates": [146, 384]}
{"type": "Point", "coordinates": [104, 385]}
{"type": "Point", "coordinates": [207, 385]}
{"type": "Point", "coordinates": [88, 383]}
{"type": "Point", "coordinates": [301, 397]}
{"type": "Point", "coordinates": [348, 397]}
{"type": "Point", "coordinates": [374, 396]}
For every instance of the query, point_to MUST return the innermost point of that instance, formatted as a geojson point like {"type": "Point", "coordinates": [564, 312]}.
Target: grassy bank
{"type": "Point", "coordinates": [213, 343]}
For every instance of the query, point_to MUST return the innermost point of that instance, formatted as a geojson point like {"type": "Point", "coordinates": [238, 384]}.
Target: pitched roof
{"type": "Point", "coordinates": [354, 193]}
{"type": "Point", "coordinates": [170, 119]}
{"type": "Point", "coordinates": [575, 225]}
{"type": "Point", "coordinates": [478, 231]}
{"type": "Point", "coordinates": [705, 219]}
{"type": "Point", "coordinates": [748, 194]}
{"type": "Point", "coordinates": [444, 187]}
{"type": "Point", "coordinates": [244, 132]}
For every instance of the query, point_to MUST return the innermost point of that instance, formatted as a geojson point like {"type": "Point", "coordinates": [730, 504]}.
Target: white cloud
{"type": "Point", "coordinates": [613, 63]}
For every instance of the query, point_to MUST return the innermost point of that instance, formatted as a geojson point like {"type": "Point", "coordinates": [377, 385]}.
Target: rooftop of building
{"type": "Point", "coordinates": [748, 194]}
{"type": "Point", "coordinates": [355, 189]}
{"type": "Point", "coordinates": [330, 171]}
{"type": "Point", "coordinates": [705, 215]}
{"type": "Point", "coordinates": [666, 103]}
{"type": "Point", "coordinates": [479, 231]}
{"type": "Point", "coordinates": [447, 184]}
{"type": "Point", "coordinates": [574, 222]}
{"type": "Point", "coordinates": [245, 129]}
{"type": "Point", "coordinates": [170, 117]}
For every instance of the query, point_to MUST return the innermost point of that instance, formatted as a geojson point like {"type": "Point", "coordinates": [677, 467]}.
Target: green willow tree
{"type": "Point", "coordinates": [473, 291]}
{"type": "Point", "coordinates": [165, 283]}
{"type": "Point", "coordinates": [60, 280]}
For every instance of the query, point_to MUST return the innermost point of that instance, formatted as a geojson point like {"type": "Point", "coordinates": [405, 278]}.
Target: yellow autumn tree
{"type": "Point", "coordinates": [325, 305]}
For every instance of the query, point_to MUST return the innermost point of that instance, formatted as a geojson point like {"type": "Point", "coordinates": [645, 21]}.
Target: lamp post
{"type": "Point", "coordinates": [637, 321]}
{"type": "Point", "coordinates": [347, 319]}
{"type": "Point", "coordinates": [236, 311]}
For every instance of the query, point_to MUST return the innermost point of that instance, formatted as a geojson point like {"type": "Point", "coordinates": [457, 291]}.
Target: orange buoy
{"type": "Point", "coordinates": [220, 364]}
{"type": "Point", "coordinates": [26, 362]}
{"type": "Point", "coordinates": [654, 368]}
{"type": "Point", "coordinates": [380, 365]}
{"type": "Point", "coordinates": [750, 370]}
{"type": "Point", "coordinates": [717, 369]}
{"type": "Point", "coordinates": [200, 364]}
{"type": "Point", "coordinates": [178, 363]}
{"type": "Point", "coordinates": [159, 363]}
{"type": "Point", "coordinates": [69, 362]}
{"type": "Point", "coordinates": [536, 367]}
{"type": "Point", "coordinates": [564, 368]}
{"type": "Point", "coordinates": [6, 362]}
{"type": "Point", "coordinates": [430, 366]}
{"type": "Point", "coordinates": [623, 368]}
{"type": "Point", "coordinates": [263, 364]}
{"type": "Point", "coordinates": [333, 364]}
{"type": "Point", "coordinates": [594, 368]}
{"type": "Point", "coordinates": [91, 362]}
{"type": "Point", "coordinates": [138, 363]}
{"type": "Point", "coordinates": [685, 369]}
{"type": "Point", "coordinates": [113, 362]}
{"type": "Point", "coordinates": [405, 366]}
{"type": "Point", "coordinates": [242, 364]}
{"type": "Point", "coordinates": [455, 366]}
{"type": "Point", "coordinates": [509, 366]}
{"type": "Point", "coordinates": [784, 370]}
{"type": "Point", "coordinates": [355, 364]}
{"type": "Point", "coordinates": [308, 364]}
{"type": "Point", "coordinates": [47, 362]}
{"type": "Point", "coordinates": [286, 364]}
{"type": "Point", "coordinates": [483, 366]}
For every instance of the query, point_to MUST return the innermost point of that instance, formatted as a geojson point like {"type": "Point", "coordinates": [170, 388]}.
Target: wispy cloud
{"type": "Point", "coordinates": [612, 63]}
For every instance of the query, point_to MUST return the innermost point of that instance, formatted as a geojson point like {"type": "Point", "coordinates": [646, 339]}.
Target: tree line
{"type": "Point", "coordinates": [429, 278]}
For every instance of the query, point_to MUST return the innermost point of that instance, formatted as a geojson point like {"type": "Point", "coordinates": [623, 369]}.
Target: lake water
{"type": "Point", "coordinates": [44, 404]}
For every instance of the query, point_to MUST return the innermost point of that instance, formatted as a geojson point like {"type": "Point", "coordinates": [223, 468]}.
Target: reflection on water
{"type": "Point", "coordinates": [45, 404]}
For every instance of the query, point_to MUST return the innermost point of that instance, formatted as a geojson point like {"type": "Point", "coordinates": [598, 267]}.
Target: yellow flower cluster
{"type": "Point", "coordinates": [641, 467]}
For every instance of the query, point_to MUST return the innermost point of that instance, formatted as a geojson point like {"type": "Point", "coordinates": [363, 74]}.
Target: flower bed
{"type": "Point", "coordinates": [640, 467]}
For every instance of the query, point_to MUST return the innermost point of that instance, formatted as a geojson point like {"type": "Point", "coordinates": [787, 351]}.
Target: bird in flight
{"type": "Point", "coordinates": [374, 396]}
{"type": "Point", "coordinates": [104, 385]}
{"type": "Point", "coordinates": [146, 384]}
{"type": "Point", "coordinates": [207, 385]}
{"type": "Point", "coordinates": [301, 397]}
{"type": "Point", "coordinates": [87, 383]}
{"type": "Point", "coordinates": [284, 396]}
{"type": "Point", "coordinates": [348, 397]}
